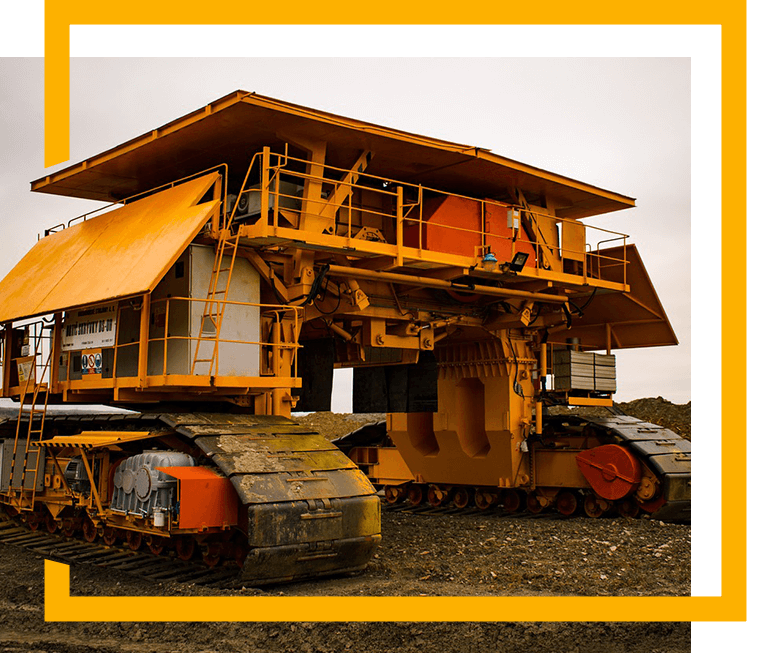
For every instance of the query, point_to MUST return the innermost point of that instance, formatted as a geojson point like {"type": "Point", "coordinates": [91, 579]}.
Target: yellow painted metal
{"type": "Point", "coordinates": [385, 464]}
{"type": "Point", "coordinates": [590, 401]}
{"type": "Point", "coordinates": [243, 122]}
{"type": "Point", "coordinates": [345, 271]}
{"type": "Point", "coordinates": [95, 439]}
{"type": "Point", "coordinates": [475, 437]}
{"type": "Point", "coordinates": [118, 254]}
{"type": "Point", "coordinates": [557, 468]}
{"type": "Point", "coordinates": [621, 320]}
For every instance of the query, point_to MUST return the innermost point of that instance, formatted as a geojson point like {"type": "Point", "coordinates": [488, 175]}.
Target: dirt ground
{"type": "Point", "coordinates": [472, 554]}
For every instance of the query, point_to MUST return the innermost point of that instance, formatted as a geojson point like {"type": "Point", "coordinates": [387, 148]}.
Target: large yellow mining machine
{"type": "Point", "coordinates": [247, 250]}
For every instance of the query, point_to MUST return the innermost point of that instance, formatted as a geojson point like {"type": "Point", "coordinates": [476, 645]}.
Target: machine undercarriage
{"type": "Point", "coordinates": [583, 465]}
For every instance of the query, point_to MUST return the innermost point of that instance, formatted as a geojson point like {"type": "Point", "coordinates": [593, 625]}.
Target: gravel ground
{"type": "Point", "coordinates": [468, 554]}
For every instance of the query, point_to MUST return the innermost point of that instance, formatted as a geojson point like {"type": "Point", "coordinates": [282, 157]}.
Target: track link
{"type": "Point", "coordinates": [146, 565]}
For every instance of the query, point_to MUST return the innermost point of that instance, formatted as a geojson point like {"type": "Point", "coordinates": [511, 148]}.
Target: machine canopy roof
{"type": "Point", "coordinates": [231, 129]}
{"type": "Point", "coordinates": [122, 253]}
{"type": "Point", "coordinates": [636, 318]}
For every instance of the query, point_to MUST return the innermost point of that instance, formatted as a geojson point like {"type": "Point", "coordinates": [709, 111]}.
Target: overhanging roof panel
{"type": "Point", "coordinates": [232, 128]}
{"type": "Point", "coordinates": [121, 253]}
{"type": "Point", "coordinates": [637, 318]}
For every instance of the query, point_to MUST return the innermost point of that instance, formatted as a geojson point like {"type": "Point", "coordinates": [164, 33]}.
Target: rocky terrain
{"type": "Point", "coordinates": [467, 554]}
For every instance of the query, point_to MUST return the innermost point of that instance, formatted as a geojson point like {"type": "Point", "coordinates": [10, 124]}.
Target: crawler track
{"type": "Point", "coordinates": [305, 509]}
{"type": "Point", "coordinates": [146, 565]}
{"type": "Point", "coordinates": [666, 454]}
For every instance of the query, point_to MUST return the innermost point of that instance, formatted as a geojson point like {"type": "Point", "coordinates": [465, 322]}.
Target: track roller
{"type": "Point", "coordinates": [436, 496]}
{"type": "Point", "coordinates": [394, 494]}
{"type": "Point", "coordinates": [415, 494]}
{"type": "Point", "coordinates": [595, 506]}
{"type": "Point", "coordinates": [512, 500]}
{"type": "Point", "coordinates": [461, 497]}
{"type": "Point", "coordinates": [566, 503]}
{"type": "Point", "coordinates": [485, 498]}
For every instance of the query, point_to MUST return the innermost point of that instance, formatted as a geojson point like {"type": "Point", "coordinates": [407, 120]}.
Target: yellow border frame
{"type": "Point", "coordinates": [61, 606]}
{"type": "Point", "coordinates": [731, 605]}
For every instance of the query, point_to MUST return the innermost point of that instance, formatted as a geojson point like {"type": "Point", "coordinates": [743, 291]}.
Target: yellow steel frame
{"type": "Point", "coordinates": [267, 230]}
{"type": "Point", "coordinates": [277, 376]}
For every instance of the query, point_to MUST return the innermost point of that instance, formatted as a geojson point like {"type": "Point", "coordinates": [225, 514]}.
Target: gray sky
{"type": "Point", "coordinates": [621, 124]}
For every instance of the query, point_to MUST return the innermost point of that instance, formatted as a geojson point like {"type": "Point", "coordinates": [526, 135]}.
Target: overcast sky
{"type": "Point", "coordinates": [621, 124]}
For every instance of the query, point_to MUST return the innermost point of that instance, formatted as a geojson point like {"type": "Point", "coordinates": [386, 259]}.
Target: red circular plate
{"type": "Point", "coordinates": [612, 471]}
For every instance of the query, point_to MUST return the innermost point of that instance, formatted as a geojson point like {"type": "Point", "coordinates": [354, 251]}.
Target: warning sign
{"type": "Point", "coordinates": [25, 369]}
{"type": "Point", "coordinates": [90, 362]}
{"type": "Point", "coordinates": [88, 328]}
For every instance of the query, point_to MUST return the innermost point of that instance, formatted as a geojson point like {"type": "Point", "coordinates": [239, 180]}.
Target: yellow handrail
{"type": "Point", "coordinates": [403, 205]}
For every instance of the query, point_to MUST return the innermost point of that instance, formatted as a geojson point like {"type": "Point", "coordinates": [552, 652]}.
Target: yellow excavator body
{"type": "Point", "coordinates": [250, 248]}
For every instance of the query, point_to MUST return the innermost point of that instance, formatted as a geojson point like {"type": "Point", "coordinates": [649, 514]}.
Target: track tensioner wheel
{"type": "Point", "coordinates": [612, 471]}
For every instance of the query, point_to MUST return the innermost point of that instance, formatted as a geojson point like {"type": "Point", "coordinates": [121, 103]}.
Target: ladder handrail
{"type": "Point", "coordinates": [40, 386]}
{"type": "Point", "coordinates": [225, 241]}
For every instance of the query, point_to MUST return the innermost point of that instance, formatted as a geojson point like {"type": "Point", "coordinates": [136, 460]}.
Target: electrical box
{"type": "Point", "coordinates": [249, 203]}
{"type": "Point", "coordinates": [34, 458]}
{"type": "Point", "coordinates": [181, 320]}
{"type": "Point", "coordinates": [102, 342]}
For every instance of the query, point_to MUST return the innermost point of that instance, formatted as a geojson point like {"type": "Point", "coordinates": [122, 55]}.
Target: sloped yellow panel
{"type": "Point", "coordinates": [95, 439]}
{"type": "Point", "coordinates": [118, 254]}
{"type": "Point", "coordinates": [633, 319]}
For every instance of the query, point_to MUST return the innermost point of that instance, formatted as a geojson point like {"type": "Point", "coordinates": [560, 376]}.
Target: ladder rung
{"type": "Point", "coordinates": [202, 360]}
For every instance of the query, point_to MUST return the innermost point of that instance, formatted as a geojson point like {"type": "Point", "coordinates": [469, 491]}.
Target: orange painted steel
{"type": "Point", "coordinates": [242, 121]}
{"type": "Point", "coordinates": [396, 248]}
{"type": "Point", "coordinates": [612, 471]}
{"type": "Point", "coordinates": [460, 225]}
{"type": "Point", "coordinates": [206, 499]}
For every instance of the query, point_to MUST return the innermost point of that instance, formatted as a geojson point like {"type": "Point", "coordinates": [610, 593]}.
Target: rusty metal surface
{"type": "Point", "coordinates": [311, 511]}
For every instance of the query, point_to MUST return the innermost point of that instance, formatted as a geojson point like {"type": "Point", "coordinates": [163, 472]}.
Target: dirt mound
{"type": "Point", "coordinates": [676, 417]}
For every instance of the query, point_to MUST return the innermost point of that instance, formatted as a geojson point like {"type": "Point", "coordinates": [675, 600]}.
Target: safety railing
{"type": "Point", "coordinates": [375, 208]}
{"type": "Point", "coordinates": [36, 350]}
{"type": "Point", "coordinates": [273, 354]}
{"type": "Point", "coordinates": [270, 360]}
{"type": "Point", "coordinates": [223, 167]}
